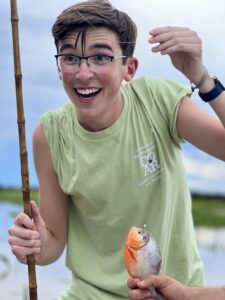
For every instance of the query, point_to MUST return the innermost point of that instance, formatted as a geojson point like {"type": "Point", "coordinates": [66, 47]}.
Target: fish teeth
{"type": "Point", "coordinates": [87, 91]}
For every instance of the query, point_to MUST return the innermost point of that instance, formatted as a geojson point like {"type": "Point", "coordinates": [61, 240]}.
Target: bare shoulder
{"type": "Point", "coordinates": [186, 105]}
{"type": "Point", "coordinates": [190, 117]}
{"type": "Point", "coordinates": [39, 138]}
{"type": "Point", "coordinates": [41, 151]}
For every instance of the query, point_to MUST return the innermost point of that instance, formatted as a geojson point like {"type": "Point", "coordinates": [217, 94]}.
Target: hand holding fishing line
{"type": "Point", "coordinates": [184, 47]}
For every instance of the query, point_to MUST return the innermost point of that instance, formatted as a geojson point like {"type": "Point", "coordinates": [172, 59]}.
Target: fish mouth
{"type": "Point", "coordinates": [87, 93]}
{"type": "Point", "coordinates": [143, 234]}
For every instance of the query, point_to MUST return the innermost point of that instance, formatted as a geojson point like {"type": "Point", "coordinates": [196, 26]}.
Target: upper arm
{"type": "Point", "coordinates": [200, 129]}
{"type": "Point", "coordinates": [53, 201]}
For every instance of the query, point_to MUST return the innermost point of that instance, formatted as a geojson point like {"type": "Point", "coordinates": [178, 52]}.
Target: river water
{"type": "Point", "coordinates": [54, 278]}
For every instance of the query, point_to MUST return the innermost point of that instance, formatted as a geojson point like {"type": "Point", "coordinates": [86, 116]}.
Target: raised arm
{"type": "Point", "coordinates": [184, 48]}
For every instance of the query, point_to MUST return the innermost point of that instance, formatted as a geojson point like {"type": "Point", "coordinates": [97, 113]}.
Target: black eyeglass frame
{"type": "Point", "coordinates": [111, 57]}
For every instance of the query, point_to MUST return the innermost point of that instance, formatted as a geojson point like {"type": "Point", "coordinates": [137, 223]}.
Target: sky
{"type": "Point", "coordinates": [42, 90]}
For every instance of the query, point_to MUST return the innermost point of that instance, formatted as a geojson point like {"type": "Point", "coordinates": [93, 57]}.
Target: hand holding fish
{"type": "Point", "coordinates": [167, 286]}
{"type": "Point", "coordinates": [184, 47]}
{"type": "Point", "coordinates": [142, 257]}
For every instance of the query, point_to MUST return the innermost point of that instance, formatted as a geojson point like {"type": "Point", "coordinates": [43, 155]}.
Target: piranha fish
{"type": "Point", "coordinates": [142, 256]}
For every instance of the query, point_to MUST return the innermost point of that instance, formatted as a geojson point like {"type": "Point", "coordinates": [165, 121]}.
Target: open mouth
{"type": "Point", "coordinates": [87, 93]}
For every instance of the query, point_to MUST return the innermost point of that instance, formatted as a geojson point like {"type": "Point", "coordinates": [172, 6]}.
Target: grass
{"type": "Point", "coordinates": [207, 210]}
{"type": "Point", "coordinates": [15, 195]}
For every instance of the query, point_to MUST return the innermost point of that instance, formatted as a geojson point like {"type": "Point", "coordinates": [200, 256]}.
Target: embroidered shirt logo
{"type": "Point", "coordinates": [149, 162]}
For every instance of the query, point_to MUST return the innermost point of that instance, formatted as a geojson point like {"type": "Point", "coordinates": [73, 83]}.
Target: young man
{"type": "Point", "coordinates": [172, 289]}
{"type": "Point", "coordinates": [111, 158]}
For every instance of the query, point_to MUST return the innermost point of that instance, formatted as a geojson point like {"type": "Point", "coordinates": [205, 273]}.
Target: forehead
{"type": "Point", "coordinates": [99, 38]}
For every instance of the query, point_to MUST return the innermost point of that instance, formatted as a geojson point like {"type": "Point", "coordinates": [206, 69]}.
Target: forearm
{"type": "Point", "coordinates": [218, 104]}
{"type": "Point", "coordinates": [206, 293]}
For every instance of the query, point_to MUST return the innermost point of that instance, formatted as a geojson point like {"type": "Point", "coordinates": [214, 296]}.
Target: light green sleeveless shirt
{"type": "Point", "coordinates": [129, 174]}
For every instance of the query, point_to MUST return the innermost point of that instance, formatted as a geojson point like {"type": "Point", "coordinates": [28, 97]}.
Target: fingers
{"type": "Point", "coordinates": [21, 247]}
{"type": "Point", "coordinates": [150, 281]}
{"type": "Point", "coordinates": [174, 33]}
{"type": "Point", "coordinates": [178, 45]}
{"type": "Point", "coordinates": [23, 220]}
{"type": "Point", "coordinates": [24, 238]}
{"type": "Point", "coordinates": [33, 242]}
{"type": "Point", "coordinates": [132, 282]}
{"type": "Point", "coordinates": [175, 39]}
{"type": "Point", "coordinates": [21, 253]}
{"type": "Point", "coordinates": [137, 293]}
{"type": "Point", "coordinates": [166, 29]}
{"type": "Point", "coordinates": [157, 281]}
{"type": "Point", "coordinates": [23, 227]}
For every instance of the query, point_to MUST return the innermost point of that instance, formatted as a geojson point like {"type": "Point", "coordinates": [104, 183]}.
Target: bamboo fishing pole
{"type": "Point", "coordinates": [22, 141]}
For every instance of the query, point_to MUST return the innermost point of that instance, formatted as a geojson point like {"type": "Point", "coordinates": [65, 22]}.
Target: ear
{"type": "Point", "coordinates": [132, 65]}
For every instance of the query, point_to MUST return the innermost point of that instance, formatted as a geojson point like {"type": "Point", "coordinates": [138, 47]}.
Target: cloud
{"type": "Point", "coordinates": [205, 174]}
{"type": "Point", "coordinates": [206, 169]}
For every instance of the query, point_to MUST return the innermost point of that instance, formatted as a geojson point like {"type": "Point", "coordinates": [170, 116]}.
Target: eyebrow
{"type": "Point", "coordinates": [101, 46]}
{"type": "Point", "coordinates": [92, 47]}
{"type": "Point", "coordinates": [66, 46]}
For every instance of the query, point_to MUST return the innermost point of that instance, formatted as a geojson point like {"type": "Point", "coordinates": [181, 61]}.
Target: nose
{"type": "Point", "coordinates": [84, 71]}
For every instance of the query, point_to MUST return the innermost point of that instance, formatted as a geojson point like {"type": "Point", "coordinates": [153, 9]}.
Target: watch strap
{"type": "Point", "coordinates": [215, 92]}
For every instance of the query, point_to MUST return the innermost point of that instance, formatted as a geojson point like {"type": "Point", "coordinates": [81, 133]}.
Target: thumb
{"type": "Point", "coordinates": [36, 215]}
{"type": "Point", "coordinates": [156, 281]}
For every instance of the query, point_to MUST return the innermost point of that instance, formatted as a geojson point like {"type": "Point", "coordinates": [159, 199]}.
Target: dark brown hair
{"type": "Point", "coordinates": [95, 14]}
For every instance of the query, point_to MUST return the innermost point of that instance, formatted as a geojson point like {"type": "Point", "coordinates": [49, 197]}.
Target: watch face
{"type": "Point", "coordinates": [218, 83]}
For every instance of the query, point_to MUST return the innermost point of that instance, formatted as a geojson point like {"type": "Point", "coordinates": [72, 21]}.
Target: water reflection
{"type": "Point", "coordinates": [54, 278]}
{"type": "Point", "coordinates": [51, 279]}
{"type": "Point", "coordinates": [5, 267]}
{"type": "Point", "coordinates": [211, 238]}
{"type": "Point", "coordinates": [211, 244]}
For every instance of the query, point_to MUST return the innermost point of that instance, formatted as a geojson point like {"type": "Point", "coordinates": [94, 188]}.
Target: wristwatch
{"type": "Point", "coordinates": [215, 92]}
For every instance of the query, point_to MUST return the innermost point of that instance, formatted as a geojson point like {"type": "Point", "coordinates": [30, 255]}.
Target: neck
{"type": "Point", "coordinates": [105, 120]}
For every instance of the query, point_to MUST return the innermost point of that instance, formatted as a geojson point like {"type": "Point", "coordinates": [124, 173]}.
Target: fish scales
{"type": "Point", "coordinates": [142, 255]}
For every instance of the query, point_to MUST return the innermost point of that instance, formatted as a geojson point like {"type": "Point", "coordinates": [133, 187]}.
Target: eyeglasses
{"type": "Point", "coordinates": [96, 63]}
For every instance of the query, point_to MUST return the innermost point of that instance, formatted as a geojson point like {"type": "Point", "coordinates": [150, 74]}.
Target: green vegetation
{"type": "Point", "coordinates": [15, 195]}
{"type": "Point", "coordinates": [207, 210]}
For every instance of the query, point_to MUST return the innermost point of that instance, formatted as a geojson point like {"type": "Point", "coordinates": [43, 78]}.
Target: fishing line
{"type": "Point", "coordinates": [94, 27]}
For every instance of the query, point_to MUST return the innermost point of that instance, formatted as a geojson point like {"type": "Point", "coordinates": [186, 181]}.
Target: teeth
{"type": "Point", "coordinates": [87, 91]}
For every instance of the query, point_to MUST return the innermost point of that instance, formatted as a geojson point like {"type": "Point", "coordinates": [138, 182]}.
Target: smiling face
{"type": "Point", "coordinates": [96, 93]}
